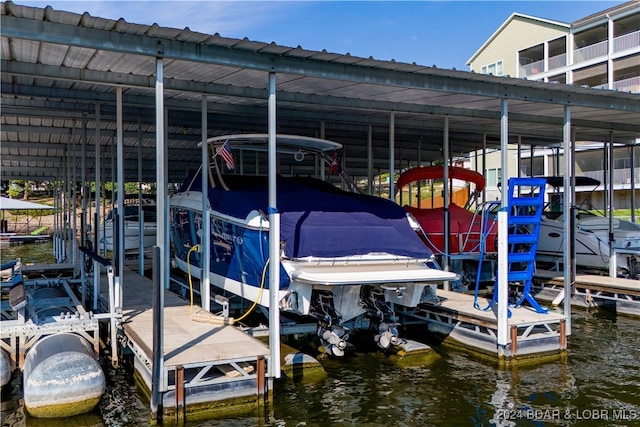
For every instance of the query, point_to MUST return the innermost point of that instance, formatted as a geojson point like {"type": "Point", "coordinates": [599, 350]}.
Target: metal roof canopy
{"type": "Point", "coordinates": [57, 66]}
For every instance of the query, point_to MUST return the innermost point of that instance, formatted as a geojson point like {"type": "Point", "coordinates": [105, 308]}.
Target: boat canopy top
{"type": "Point", "coordinates": [437, 172]}
{"type": "Point", "coordinates": [14, 204]}
{"type": "Point", "coordinates": [318, 219]}
{"type": "Point", "coordinates": [558, 181]}
{"type": "Point", "coordinates": [285, 143]}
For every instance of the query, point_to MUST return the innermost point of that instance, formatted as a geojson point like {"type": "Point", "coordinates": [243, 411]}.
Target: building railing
{"type": "Point", "coordinates": [557, 61]}
{"type": "Point", "coordinates": [627, 85]}
{"type": "Point", "coordinates": [597, 50]}
{"type": "Point", "coordinates": [626, 41]}
{"type": "Point", "coordinates": [586, 53]}
{"type": "Point", "coordinates": [532, 68]}
{"type": "Point", "coordinates": [620, 176]}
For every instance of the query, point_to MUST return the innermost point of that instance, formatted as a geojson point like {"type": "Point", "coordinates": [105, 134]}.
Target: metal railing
{"type": "Point", "coordinates": [626, 41]}
{"type": "Point", "coordinates": [557, 61]}
{"type": "Point", "coordinates": [628, 85]}
{"type": "Point", "coordinates": [620, 176]}
{"type": "Point", "coordinates": [586, 53]}
{"type": "Point", "coordinates": [532, 68]}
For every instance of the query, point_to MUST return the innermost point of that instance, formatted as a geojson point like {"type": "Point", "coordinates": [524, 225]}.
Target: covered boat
{"type": "Point", "coordinates": [343, 255]}
{"type": "Point", "coordinates": [139, 220]}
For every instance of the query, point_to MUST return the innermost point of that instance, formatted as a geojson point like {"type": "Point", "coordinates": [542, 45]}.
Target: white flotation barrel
{"type": "Point", "coordinates": [5, 368]}
{"type": "Point", "coordinates": [62, 377]}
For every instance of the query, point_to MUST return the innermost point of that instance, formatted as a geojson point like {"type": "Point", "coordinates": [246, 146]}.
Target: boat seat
{"type": "Point", "coordinates": [17, 299]}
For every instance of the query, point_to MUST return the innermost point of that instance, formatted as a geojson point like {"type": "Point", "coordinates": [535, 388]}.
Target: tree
{"type": "Point", "coordinates": [15, 188]}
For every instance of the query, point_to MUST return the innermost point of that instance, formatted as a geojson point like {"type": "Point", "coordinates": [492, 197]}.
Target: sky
{"type": "Point", "coordinates": [432, 33]}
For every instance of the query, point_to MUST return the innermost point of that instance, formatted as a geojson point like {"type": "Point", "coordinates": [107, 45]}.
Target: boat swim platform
{"type": "Point", "coordinates": [453, 316]}
{"type": "Point", "coordinates": [203, 362]}
{"type": "Point", "coordinates": [621, 295]}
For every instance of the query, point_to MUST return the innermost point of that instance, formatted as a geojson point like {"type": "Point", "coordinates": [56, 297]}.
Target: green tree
{"type": "Point", "coordinates": [15, 188]}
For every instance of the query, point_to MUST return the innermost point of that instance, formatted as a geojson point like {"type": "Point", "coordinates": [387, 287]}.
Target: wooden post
{"type": "Point", "coordinates": [260, 371]}
{"type": "Point", "coordinates": [514, 340]}
{"type": "Point", "coordinates": [180, 410]}
{"type": "Point", "coordinates": [563, 335]}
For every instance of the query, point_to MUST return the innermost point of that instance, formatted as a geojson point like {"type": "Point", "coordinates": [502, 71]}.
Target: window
{"type": "Point", "coordinates": [494, 69]}
{"type": "Point", "coordinates": [493, 177]}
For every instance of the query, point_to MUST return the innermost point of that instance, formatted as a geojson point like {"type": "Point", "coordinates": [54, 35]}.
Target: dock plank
{"type": "Point", "coordinates": [460, 305]}
{"type": "Point", "coordinates": [185, 341]}
{"type": "Point", "coordinates": [593, 282]}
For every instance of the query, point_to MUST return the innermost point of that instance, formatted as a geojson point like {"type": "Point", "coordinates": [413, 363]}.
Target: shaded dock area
{"type": "Point", "coordinates": [453, 316]}
{"type": "Point", "coordinates": [621, 295]}
{"type": "Point", "coordinates": [204, 361]}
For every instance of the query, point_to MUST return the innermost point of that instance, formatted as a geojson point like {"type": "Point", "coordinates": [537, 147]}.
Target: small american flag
{"type": "Point", "coordinates": [225, 153]}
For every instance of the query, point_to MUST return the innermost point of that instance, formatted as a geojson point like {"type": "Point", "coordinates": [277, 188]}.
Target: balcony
{"type": "Point", "coordinates": [626, 42]}
{"type": "Point", "coordinates": [627, 85]}
{"type": "Point", "coordinates": [621, 177]}
{"type": "Point", "coordinates": [532, 68]}
{"type": "Point", "coordinates": [557, 61]}
{"type": "Point", "coordinates": [593, 51]}
{"type": "Point", "coordinates": [537, 67]}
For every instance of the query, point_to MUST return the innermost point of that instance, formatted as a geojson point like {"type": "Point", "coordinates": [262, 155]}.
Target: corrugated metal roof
{"type": "Point", "coordinates": [56, 66]}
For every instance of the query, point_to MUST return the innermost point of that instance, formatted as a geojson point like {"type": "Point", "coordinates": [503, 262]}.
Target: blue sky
{"type": "Point", "coordinates": [441, 33]}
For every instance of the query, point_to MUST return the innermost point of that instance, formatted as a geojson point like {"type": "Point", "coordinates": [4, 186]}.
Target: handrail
{"type": "Point", "coordinates": [104, 261]}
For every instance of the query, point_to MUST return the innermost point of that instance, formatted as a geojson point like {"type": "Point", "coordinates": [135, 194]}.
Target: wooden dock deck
{"type": "Point", "coordinates": [203, 362]}
{"type": "Point", "coordinates": [531, 334]}
{"type": "Point", "coordinates": [622, 295]}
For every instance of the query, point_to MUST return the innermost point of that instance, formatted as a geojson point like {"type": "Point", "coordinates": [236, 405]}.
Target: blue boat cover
{"type": "Point", "coordinates": [319, 219]}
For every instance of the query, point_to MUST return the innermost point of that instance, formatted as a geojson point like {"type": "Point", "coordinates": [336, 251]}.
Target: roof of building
{"type": "Point", "coordinates": [509, 20]}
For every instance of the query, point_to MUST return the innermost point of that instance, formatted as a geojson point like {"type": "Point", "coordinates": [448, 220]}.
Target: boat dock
{"type": "Point", "coordinates": [621, 295]}
{"type": "Point", "coordinates": [453, 315]}
{"type": "Point", "coordinates": [204, 361]}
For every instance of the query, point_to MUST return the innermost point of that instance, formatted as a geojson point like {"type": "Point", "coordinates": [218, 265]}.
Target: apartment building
{"type": "Point", "coordinates": [600, 51]}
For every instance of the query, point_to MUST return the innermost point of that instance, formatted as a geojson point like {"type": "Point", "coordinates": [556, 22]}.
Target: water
{"type": "Point", "coordinates": [28, 253]}
{"type": "Point", "coordinates": [597, 384]}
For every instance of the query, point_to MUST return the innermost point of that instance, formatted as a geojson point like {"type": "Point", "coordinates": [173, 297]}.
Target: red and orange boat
{"type": "Point", "coordinates": [466, 228]}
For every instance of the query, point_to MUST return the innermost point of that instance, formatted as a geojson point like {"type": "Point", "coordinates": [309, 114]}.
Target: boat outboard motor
{"type": "Point", "coordinates": [333, 336]}
{"type": "Point", "coordinates": [383, 320]}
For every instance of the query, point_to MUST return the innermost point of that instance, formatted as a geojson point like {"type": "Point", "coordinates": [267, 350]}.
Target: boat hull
{"type": "Point", "coordinates": [132, 236]}
{"type": "Point", "coordinates": [239, 254]}
{"type": "Point", "coordinates": [592, 252]}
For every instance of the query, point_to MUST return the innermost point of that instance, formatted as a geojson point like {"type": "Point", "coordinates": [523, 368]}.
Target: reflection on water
{"type": "Point", "coordinates": [597, 385]}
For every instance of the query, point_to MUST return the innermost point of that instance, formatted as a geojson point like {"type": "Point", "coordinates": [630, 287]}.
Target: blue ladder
{"type": "Point", "coordinates": [522, 239]}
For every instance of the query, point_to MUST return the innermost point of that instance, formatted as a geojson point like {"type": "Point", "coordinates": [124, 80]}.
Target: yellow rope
{"type": "Point", "coordinates": [264, 270]}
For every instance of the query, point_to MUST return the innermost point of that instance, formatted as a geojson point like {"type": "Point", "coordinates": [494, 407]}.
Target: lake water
{"type": "Point", "coordinates": [598, 384]}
